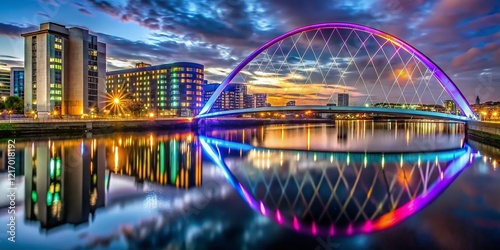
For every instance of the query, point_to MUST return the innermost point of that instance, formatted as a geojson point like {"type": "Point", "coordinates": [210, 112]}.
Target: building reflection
{"type": "Point", "coordinates": [64, 181]}
{"type": "Point", "coordinates": [173, 160]}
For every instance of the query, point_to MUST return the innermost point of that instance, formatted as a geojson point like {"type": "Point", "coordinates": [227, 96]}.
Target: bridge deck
{"type": "Point", "coordinates": [338, 109]}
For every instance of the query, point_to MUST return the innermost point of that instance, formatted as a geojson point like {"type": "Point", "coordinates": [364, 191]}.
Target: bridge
{"type": "Point", "coordinates": [336, 109]}
{"type": "Point", "coordinates": [366, 66]}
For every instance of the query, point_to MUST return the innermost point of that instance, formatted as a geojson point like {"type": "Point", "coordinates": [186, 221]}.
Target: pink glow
{"type": "Point", "coordinates": [295, 223]}
{"type": "Point", "coordinates": [349, 229]}
{"type": "Point", "coordinates": [332, 230]}
{"type": "Point", "coordinates": [278, 217]}
{"type": "Point", "coordinates": [368, 227]}
{"type": "Point", "coordinates": [314, 228]}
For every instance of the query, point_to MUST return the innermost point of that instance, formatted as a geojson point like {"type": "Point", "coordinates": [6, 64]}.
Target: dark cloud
{"type": "Point", "coordinates": [43, 14]}
{"type": "Point", "coordinates": [84, 11]}
{"type": "Point", "coordinates": [14, 29]}
{"type": "Point", "coordinates": [105, 7]}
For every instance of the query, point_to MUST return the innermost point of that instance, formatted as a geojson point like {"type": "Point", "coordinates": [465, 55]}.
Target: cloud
{"type": "Point", "coordinates": [15, 29]}
{"type": "Point", "coordinates": [84, 11]}
{"type": "Point", "coordinates": [105, 7]}
{"type": "Point", "coordinates": [43, 14]}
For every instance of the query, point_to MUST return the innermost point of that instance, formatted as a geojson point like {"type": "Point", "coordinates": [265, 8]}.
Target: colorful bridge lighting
{"type": "Point", "coordinates": [438, 73]}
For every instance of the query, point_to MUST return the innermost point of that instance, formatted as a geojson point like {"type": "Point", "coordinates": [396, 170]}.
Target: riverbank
{"type": "Point", "coordinates": [484, 132]}
{"type": "Point", "coordinates": [82, 127]}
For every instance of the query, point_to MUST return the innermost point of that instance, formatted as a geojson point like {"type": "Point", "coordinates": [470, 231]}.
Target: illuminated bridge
{"type": "Point", "coordinates": [339, 68]}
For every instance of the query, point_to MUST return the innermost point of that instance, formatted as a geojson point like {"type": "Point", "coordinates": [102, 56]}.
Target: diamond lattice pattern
{"type": "Point", "coordinates": [313, 67]}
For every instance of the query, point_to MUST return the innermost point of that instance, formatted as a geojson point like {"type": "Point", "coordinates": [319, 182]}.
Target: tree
{"type": "Point", "coordinates": [15, 103]}
{"type": "Point", "coordinates": [135, 107]}
{"type": "Point", "coordinates": [2, 106]}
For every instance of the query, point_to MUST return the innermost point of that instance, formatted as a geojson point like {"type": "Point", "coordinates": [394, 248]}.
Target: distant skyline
{"type": "Point", "coordinates": [462, 37]}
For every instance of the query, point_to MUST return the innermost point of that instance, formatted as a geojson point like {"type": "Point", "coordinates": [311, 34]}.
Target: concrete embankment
{"type": "Point", "coordinates": [45, 128]}
{"type": "Point", "coordinates": [485, 132]}
{"type": "Point", "coordinates": [79, 128]}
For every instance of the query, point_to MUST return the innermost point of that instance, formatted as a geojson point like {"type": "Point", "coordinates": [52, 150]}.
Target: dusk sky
{"type": "Point", "coordinates": [461, 36]}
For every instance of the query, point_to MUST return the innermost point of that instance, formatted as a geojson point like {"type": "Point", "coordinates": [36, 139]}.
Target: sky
{"type": "Point", "coordinates": [462, 37]}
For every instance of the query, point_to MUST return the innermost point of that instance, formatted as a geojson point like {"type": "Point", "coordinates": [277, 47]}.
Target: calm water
{"type": "Point", "coordinates": [352, 185]}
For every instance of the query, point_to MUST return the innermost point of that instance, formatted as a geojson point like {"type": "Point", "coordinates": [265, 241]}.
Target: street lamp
{"type": "Point", "coordinates": [116, 101]}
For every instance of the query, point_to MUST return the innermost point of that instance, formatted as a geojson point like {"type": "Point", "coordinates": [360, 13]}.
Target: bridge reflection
{"type": "Point", "coordinates": [326, 193]}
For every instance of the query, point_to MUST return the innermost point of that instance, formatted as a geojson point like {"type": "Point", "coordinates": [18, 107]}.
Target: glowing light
{"type": "Point", "coordinates": [49, 198]}
{"type": "Point", "coordinates": [278, 217]}
{"type": "Point", "coordinates": [313, 229]}
{"type": "Point", "coordinates": [116, 101]}
{"type": "Point", "coordinates": [368, 226]}
{"type": "Point", "coordinates": [151, 115]}
{"type": "Point", "coordinates": [295, 223]}
{"type": "Point", "coordinates": [332, 230]}
{"type": "Point", "coordinates": [262, 208]}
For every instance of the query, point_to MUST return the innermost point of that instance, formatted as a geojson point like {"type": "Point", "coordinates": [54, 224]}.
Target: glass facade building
{"type": "Point", "coordinates": [167, 90]}
{"type": "Point", "coordinates": [64, 71]}
{"type": "Point", "coordinates": [343, 100]}
{"type": "Point", "coordinates": [234, 96]}
{"type": "Point", "coordinates": [17, 82]}
{"type": "Point", "coordinates": [4, 84]}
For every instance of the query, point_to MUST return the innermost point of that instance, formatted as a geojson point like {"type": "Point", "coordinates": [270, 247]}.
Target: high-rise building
{"type": "Point", "coordinates": [167, 89]}
{"type": "Point", "coordinates": [4, 84]}
{"type": "Point", "coordinates": [260, 100]}
{"type": "Point", "coordinates": [478, 101]}
{"type": "Point", "coordinates": [249, 101]}
{"type": "Point", "coordinates": [234, 96]}
{"type": "Point", "coordinates": [17, 82]}
{"type": "Point", "coordinates": [450, 107]}
{"type": "Point", "coordinates": [64, 70]}
{"type": "Point", "coordinates": [343, 100]}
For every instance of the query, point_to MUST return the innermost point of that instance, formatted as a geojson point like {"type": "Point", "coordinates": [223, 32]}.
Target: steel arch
{"type": "Point", "coordinates": [443, 79]}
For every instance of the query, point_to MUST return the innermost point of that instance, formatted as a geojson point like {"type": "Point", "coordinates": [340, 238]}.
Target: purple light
{"type": "Point", "coordinates": [313, 229]}
{"type": "Point", "coordinates": [445, 81]}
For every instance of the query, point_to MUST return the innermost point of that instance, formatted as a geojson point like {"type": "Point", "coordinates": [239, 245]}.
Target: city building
{"type": "Point", "coordinates": [478, 101]}
{"type": "Point", "coordinates": [255, 100]}
{"type": "Point", "coordinates": [343, 100]}
{"type": "Point", "coordinates": [4, 84]}
{"type": "Point", "coordinates": [234, 96]}
{"type": "Point", "coordinates": [64, 70]}
{"type": "Point", "coordinates": [260, 100]}
{"type": "Point", "coordinates": [450, 107]}
{"type": "Point", "coordinates": [290, 103]}
{"type": "Point", "coordinates": [17, 82]}
{"type": "Point", "coordinates": [167, 90]}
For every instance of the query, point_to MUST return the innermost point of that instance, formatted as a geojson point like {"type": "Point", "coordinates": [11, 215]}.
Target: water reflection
{"type": "Point", "coordinates": [158, 191]}
{"type": "Point", "coordinates": [66, 181]}
{"type": "Point", "coordinates": [163, 159]}
{"type": "Point", "coordinates": [351, 136]}
{"type": "Point", "coordinates": [337, 193]}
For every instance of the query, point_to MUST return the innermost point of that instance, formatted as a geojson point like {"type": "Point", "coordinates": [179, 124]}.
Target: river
{"type": "Point", "coordinates": [348, 185]}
